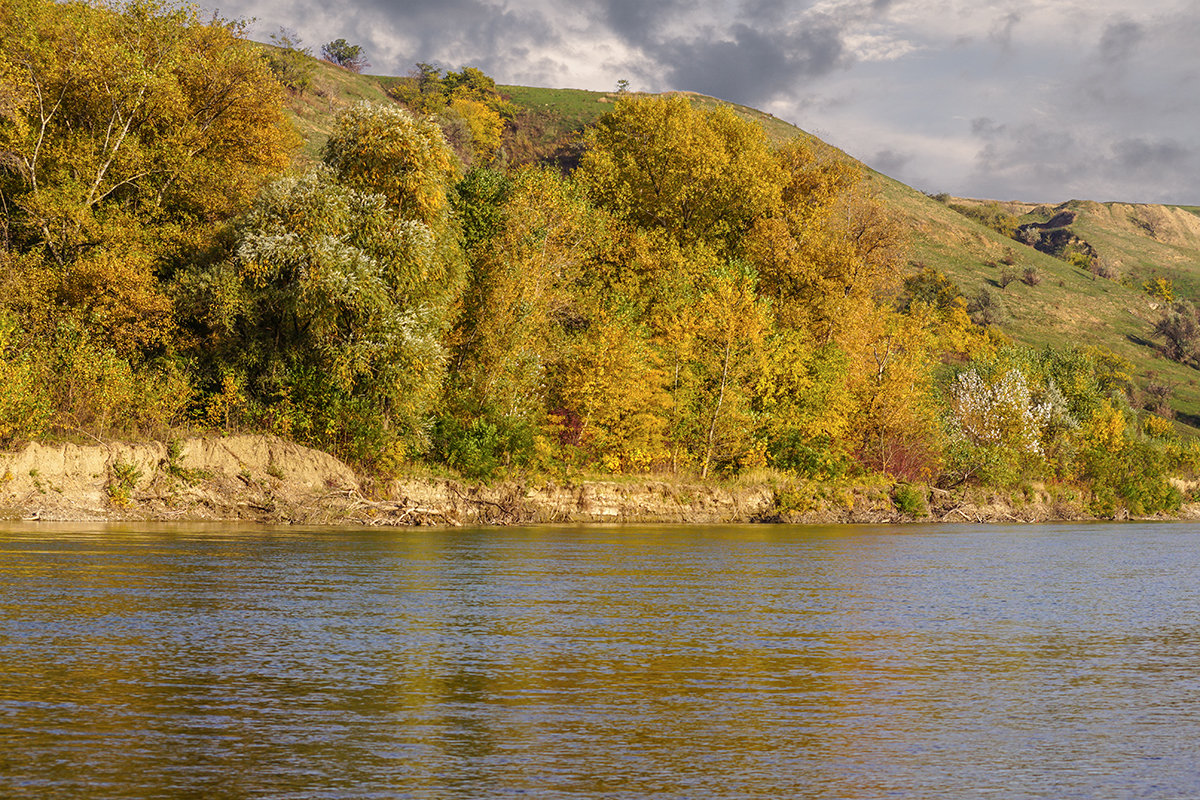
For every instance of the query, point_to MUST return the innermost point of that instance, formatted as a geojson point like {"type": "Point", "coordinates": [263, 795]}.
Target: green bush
{"type": "Point", "coordinates": [809, 458]}
{"type": "Point", "coordinates": [482, 448]}
{"type": "Point", "coordinates": [1134, 477]}
{"type": "Point", "coordinates": [122, 480]}
{"type": "Point", "coordinates": [910, 500]}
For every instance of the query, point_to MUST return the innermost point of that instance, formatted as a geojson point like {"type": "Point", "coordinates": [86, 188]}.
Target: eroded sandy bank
{"type": "Point", "coordinates": [266, 479]}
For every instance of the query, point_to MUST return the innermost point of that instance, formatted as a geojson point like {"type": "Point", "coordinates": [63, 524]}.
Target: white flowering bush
{"type": "Point", "coordinates": [1001, 412]}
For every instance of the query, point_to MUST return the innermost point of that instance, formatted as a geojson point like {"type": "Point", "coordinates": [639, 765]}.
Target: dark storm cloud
{"type": "Point", "coordinates": [1002, 32]}
{"type": "Point", "coordinates": [752, 66]}
{"type": "Point", "coordinates": [1155, 157]}
{"type": "Point", "coordinates": [890, 162]}
{"type": "Point", "coordinates": [1120, 38]}
{"type": "Point", "coordinates": [762, 52]}
{"type": "Point", "coordinates": [638, 20]}
{"type": "Point", "coordinates": [750, 52]}
{"type": "Point", "coordinates": [455, 32]}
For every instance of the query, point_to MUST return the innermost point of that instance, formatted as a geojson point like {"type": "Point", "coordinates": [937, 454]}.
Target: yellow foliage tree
{"type": "Point", "coordinates": [484, 124]}
{"type": "Point", "coordinates": [827, 248]}
{"type": "Point", "coordinates": [387, 150]}
{"type": "Point", "coordinates": [141, 108]}
{"type": "Point", "coordinates": [612, 403]}
{"type": "Point", "coordinates": [662, 162]}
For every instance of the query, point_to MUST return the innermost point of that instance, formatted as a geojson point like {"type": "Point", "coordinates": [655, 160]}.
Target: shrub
{"type": "Point", "coordinates": [291, 64]}
{"type": "Point", "coordinates": [1160, 289]}
{"type": "Point", "coordinates": [122, 480]}
{"type": "Point", "coordinates": [910, 500]}
{"type": "Point", "coordinates": [809, 458]}
{"type": "Point", "coordinates": [1132, 472]}
{"type": "Point", "coordinates": [1180, 326]}
{"type": "Point", "coordinates": [481, 448]}
{"type": "Point", "coordinates": [1031, 277]}
{"type": "Point", "coordinates": [985, 308]}
{"type": "Point", "coordinates": [25, 405]}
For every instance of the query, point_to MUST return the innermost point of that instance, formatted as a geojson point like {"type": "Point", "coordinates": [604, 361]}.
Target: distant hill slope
{"type": "Point", "coordinates": [1070, 306]}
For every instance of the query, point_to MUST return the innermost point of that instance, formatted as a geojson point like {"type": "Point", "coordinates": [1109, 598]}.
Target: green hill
{"type": "Point", "coordinates": [1061, 305]}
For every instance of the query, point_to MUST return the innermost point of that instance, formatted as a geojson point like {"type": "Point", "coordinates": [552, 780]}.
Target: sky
{"type": "Point", "coordinates": [1033, 100]}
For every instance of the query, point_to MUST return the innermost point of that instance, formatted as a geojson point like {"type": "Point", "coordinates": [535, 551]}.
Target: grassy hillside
{"type": "Point", "coordinates": [1134, 243]}
{"type": "Point", "coordinates": [1069, 306]}
{"type": "Point", "coordinates": [333, 88]}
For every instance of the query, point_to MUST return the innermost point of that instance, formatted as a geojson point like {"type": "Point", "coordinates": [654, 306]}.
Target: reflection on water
{"type": "Point", "coordinates": [924, 662]}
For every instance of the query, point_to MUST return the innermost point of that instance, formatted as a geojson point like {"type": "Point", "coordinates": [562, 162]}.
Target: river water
{"type": "Point", "coordinates": [1058, 661]}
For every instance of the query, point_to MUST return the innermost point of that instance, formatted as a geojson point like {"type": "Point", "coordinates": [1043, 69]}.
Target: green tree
{"type": "Point", "coordinates": [472, 83]}
{"type": "Point", "coordinates": [323, 313]}
{"type": "Point", "coordinates": [291, 62]}
{"type": "Point", "coordinates": [339, 288]}
{"type": "Point", "coordinates": [344, 54]}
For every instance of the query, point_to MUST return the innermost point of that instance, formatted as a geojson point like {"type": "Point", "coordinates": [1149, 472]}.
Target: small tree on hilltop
{"type": "Point", "coordinates": [291, 62]}
{"type": "Point", "coordinates": [344, 54]}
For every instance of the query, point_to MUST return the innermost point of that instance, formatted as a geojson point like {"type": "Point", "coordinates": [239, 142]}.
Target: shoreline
{"type": "Point", "coordinates": [257, 478]}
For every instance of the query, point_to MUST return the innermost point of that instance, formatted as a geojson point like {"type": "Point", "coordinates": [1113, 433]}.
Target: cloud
{"type": "Point", "coordinates": [1085, 164]}
{"type": "Point", "coordinates": [987, 128]}
{"type": "Point", "coordinates": [764, 49]}
{"type": "Point", "coordinates": [1002, 33]}
{"type": "Point", "coordinates": [1119, 40]}
{"type": "Point", "coordinates": [751, 66]}
{"type": "Point", "coordinates": [1030, 98]}
{"type": "Point", "coordinates": [890, 162]}
{"type": "Point", "coordinates": [1141, 155]}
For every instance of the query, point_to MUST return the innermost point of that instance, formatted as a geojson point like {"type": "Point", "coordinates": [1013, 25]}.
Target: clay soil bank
{"type": "Point", "coordinates": [269, 480]}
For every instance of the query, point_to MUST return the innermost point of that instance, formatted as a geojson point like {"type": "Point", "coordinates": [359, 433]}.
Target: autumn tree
{"type": "Point", "coordinates": [330, 311]}
{"type": "Point", "coordinates": [729, 357]}
{"type": "Point", "coordinates": [389, 151]}
{"type": "Point", "coordinates": [128, 134]}
{"type": "Point", "coordinates": [141, 114]}
{"type": "Point", "coordinates": [527, 236]}
{"type": "Point", "coordinates": [698, 174]}
{"type": "Point", "coordinates": [828, 250]}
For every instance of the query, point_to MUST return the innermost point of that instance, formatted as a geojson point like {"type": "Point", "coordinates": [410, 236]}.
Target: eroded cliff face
{"type": "Point", "coordinates": [267, 479]}
{"type": "Point", "coordinates": [234, 477]}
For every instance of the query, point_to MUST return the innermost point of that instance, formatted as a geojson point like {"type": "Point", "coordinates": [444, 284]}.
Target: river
{"type": "Point", "coordinates": [207, 661]}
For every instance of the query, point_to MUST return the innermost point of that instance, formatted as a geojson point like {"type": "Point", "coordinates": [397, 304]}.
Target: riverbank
{"type": "Point", "coordinates": [270, 480]}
